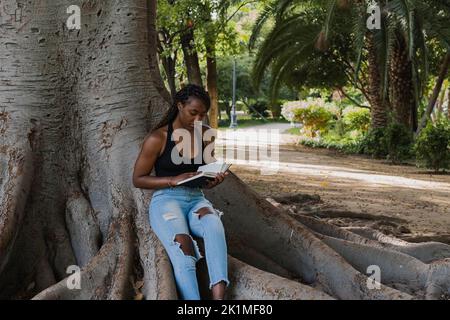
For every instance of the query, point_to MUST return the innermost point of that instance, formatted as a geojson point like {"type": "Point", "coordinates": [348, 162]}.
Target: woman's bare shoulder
{"type": "Point", "coordinates": [155, 139]}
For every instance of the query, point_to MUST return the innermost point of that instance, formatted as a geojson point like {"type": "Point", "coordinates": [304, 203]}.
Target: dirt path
{"type": "Point", "coordinates": [355, 190]}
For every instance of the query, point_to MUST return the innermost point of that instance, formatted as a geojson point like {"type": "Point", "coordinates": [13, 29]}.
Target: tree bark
{"type": "Point", "coordinates": [191, 57]}
{"type": "Point", "coordinates": [75, 107]}
{"type": "Point", "coordinates": [402, 91]}
{"type": "Point", "coordinates": [437, 88]}
{"type": "Point", "coordinates": [378, 107]}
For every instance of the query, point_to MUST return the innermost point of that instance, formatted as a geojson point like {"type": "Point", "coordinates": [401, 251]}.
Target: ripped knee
{"type": "Point", "coordinates": [204, 211]}
{"type": "Point", "coordinates": [186, 244]}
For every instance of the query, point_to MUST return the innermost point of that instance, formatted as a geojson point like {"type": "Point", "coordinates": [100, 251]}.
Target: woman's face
{"type": "Point", "coordinates": [189, 112]}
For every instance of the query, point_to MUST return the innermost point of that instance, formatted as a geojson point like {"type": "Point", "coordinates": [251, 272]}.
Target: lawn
{"type": "Point", "coordinates": [245, 120]}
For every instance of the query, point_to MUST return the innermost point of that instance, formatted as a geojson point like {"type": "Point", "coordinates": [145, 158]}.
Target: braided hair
{"type": "Point", "coordinates": [190, 90]}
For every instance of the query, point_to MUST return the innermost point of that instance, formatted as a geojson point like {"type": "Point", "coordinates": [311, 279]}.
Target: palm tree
{"type": "Point", "coordinates": [388, 65]}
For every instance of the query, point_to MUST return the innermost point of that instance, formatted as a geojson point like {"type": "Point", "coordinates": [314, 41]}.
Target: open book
{"type": "Point", "coordinates": [208, 172]}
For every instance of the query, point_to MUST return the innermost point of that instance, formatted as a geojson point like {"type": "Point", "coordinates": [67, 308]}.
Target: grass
{"type": "Point", "coordinates": [245, 121]}
{"type": "Point", "coordinates": [294, 130]}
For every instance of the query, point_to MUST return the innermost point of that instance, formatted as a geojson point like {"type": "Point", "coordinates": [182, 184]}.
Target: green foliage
{"type": "Point", "coordinates": [374, 143]}
{"type": "Point", "coordinates": [324, 43]}
{"type": "Point", "coordinates": [394, 142]}
{"type": "Point", "coordinates": [433, 146]}
{"type": "Point", "coordinates": [357, 119]}
{"type": "Point", "coordinates": [348, 143]}
{"type": "Point", "coordinates": [244, 85]}
{"type": "Point", "coordinates": [399, 141]}
{"type": "Point", "coordinates": [314, 118]}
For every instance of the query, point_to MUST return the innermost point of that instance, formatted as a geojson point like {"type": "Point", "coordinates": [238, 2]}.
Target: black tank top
{"type": "Point", "coordinates": [164, 166]}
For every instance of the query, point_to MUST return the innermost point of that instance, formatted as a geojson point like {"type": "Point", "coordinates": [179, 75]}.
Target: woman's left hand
{"type": "Point", "coordinates": [218, 180]}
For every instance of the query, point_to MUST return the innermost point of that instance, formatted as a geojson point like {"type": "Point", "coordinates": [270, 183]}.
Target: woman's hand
{"type": "Point", "coordinates": [174, 180]}
{"type": "Point", "coordinates": [218, 180]}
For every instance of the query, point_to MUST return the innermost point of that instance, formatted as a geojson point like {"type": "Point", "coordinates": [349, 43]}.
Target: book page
{"type": "Point", "coordinates": [215, 167]}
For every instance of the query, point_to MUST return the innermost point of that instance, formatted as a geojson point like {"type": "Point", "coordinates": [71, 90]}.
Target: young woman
{"type": "Point", "coordinates": [176, 212]}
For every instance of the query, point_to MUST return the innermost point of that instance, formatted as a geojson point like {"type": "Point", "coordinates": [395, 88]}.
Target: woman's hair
{"type": "Point", "coordinates": [190, 90]}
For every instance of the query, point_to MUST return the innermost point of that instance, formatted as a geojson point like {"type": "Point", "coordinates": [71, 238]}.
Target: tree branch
{"type": "Point", "coordinates": [435, 95]}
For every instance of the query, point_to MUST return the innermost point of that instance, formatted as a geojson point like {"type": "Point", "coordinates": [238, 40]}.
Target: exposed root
{"type": "Point", "coordinates": [84, 232]}
{"type": "Point", "coordinates": [354, 215]}
{"type": "Point", "coordinates": [106, 275]}
{"type": "Point", "coordinates": [248, 282]}
{"type": "Point", "coordinates": [442, 238]}
{"type": "Point", "coordinates": [15, 183]}
{"type": "Point", "coordinates": [158, 276]}
{"type": "Point", "coordinates": [274, 233]}
{"type": "Point", "coordinates": [426, 252]}
{"type": "Point", "coordinates": [395, 267]}
{"type": "Point", "coordinates": [256, 259]}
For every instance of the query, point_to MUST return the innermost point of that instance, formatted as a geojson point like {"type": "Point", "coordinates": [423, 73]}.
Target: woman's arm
{"type": "Point", "coordinates": [144, 164]}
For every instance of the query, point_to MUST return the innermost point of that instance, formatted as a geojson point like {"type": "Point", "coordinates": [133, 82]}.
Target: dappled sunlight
{"type": "Point", "coordinates": [368, 177]}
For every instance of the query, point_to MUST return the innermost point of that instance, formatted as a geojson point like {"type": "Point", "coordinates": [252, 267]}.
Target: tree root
{"type": "Point", "coordinates": [106, 276]}
{"type": "Point", "coordinates": [15, 185]}
{"type": "Point", "coordinates": [424, 280]}
{"type": "Point", "coordinates": [425, 252]}
{"type": "Point", "coordinates": [83, 228]}
{"type": "Point", "coordinates": [250, 256]}
{"type": "Point", "coordinates": [290, 244]}
{"type": "Point", "coordinates": [252, 283]}
{"type": "Point", "coordinates": [158, 275]}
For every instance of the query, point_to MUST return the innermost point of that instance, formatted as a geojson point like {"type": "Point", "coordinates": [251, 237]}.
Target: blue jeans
{"type": "Point", "coordinates": [173, 211]}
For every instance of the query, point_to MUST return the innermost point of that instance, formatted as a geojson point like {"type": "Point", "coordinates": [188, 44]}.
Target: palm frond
{"type": "Point", "coordinates": [359, 30]}
{"type": "Point", "coordinates": [332, 4]}
{"type": "Point", "coordinates": [262, 19]}
{"type": "Point", "coordinates": [291, 33]}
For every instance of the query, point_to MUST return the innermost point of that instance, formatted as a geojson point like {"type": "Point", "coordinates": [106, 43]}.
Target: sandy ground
{"type": "Point", "coordinates": [402, 200]}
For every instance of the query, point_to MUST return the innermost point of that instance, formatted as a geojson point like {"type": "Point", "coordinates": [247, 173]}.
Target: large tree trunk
{"type": "Point", "coordinates": [191, 57]}
{"type": "Point", "coordinates": [75, 107]}
{"type": "Point", "coordinates": [401, 85]}
{"type": "Point", "coordinates": [378, 106]}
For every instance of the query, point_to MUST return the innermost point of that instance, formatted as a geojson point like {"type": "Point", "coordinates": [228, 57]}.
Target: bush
{"type": "Point", "coordinates": [433, 146]}
{"type": "Point", "coordinates": [357, 119]}
{"type": "Point", "coordinates": [399, 141]}
{"type": "Point", "coordinates": [394, 142]}
{"type": "Point", "coordinates": [344, 144]}
{"type": "Point", "coordinates": [314, 118]}
{"type": "Point", "coordinates": [374, 143]}
{"type": "Point", "coordinates": [288, 109]}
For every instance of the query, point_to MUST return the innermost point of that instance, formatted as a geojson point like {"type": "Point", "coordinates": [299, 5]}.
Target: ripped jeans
{"type": "Point", "coordinates": [173, 211]}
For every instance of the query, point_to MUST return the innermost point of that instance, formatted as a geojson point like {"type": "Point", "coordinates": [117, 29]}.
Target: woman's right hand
{"type": "Point", "coordinates": [174, 180]}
